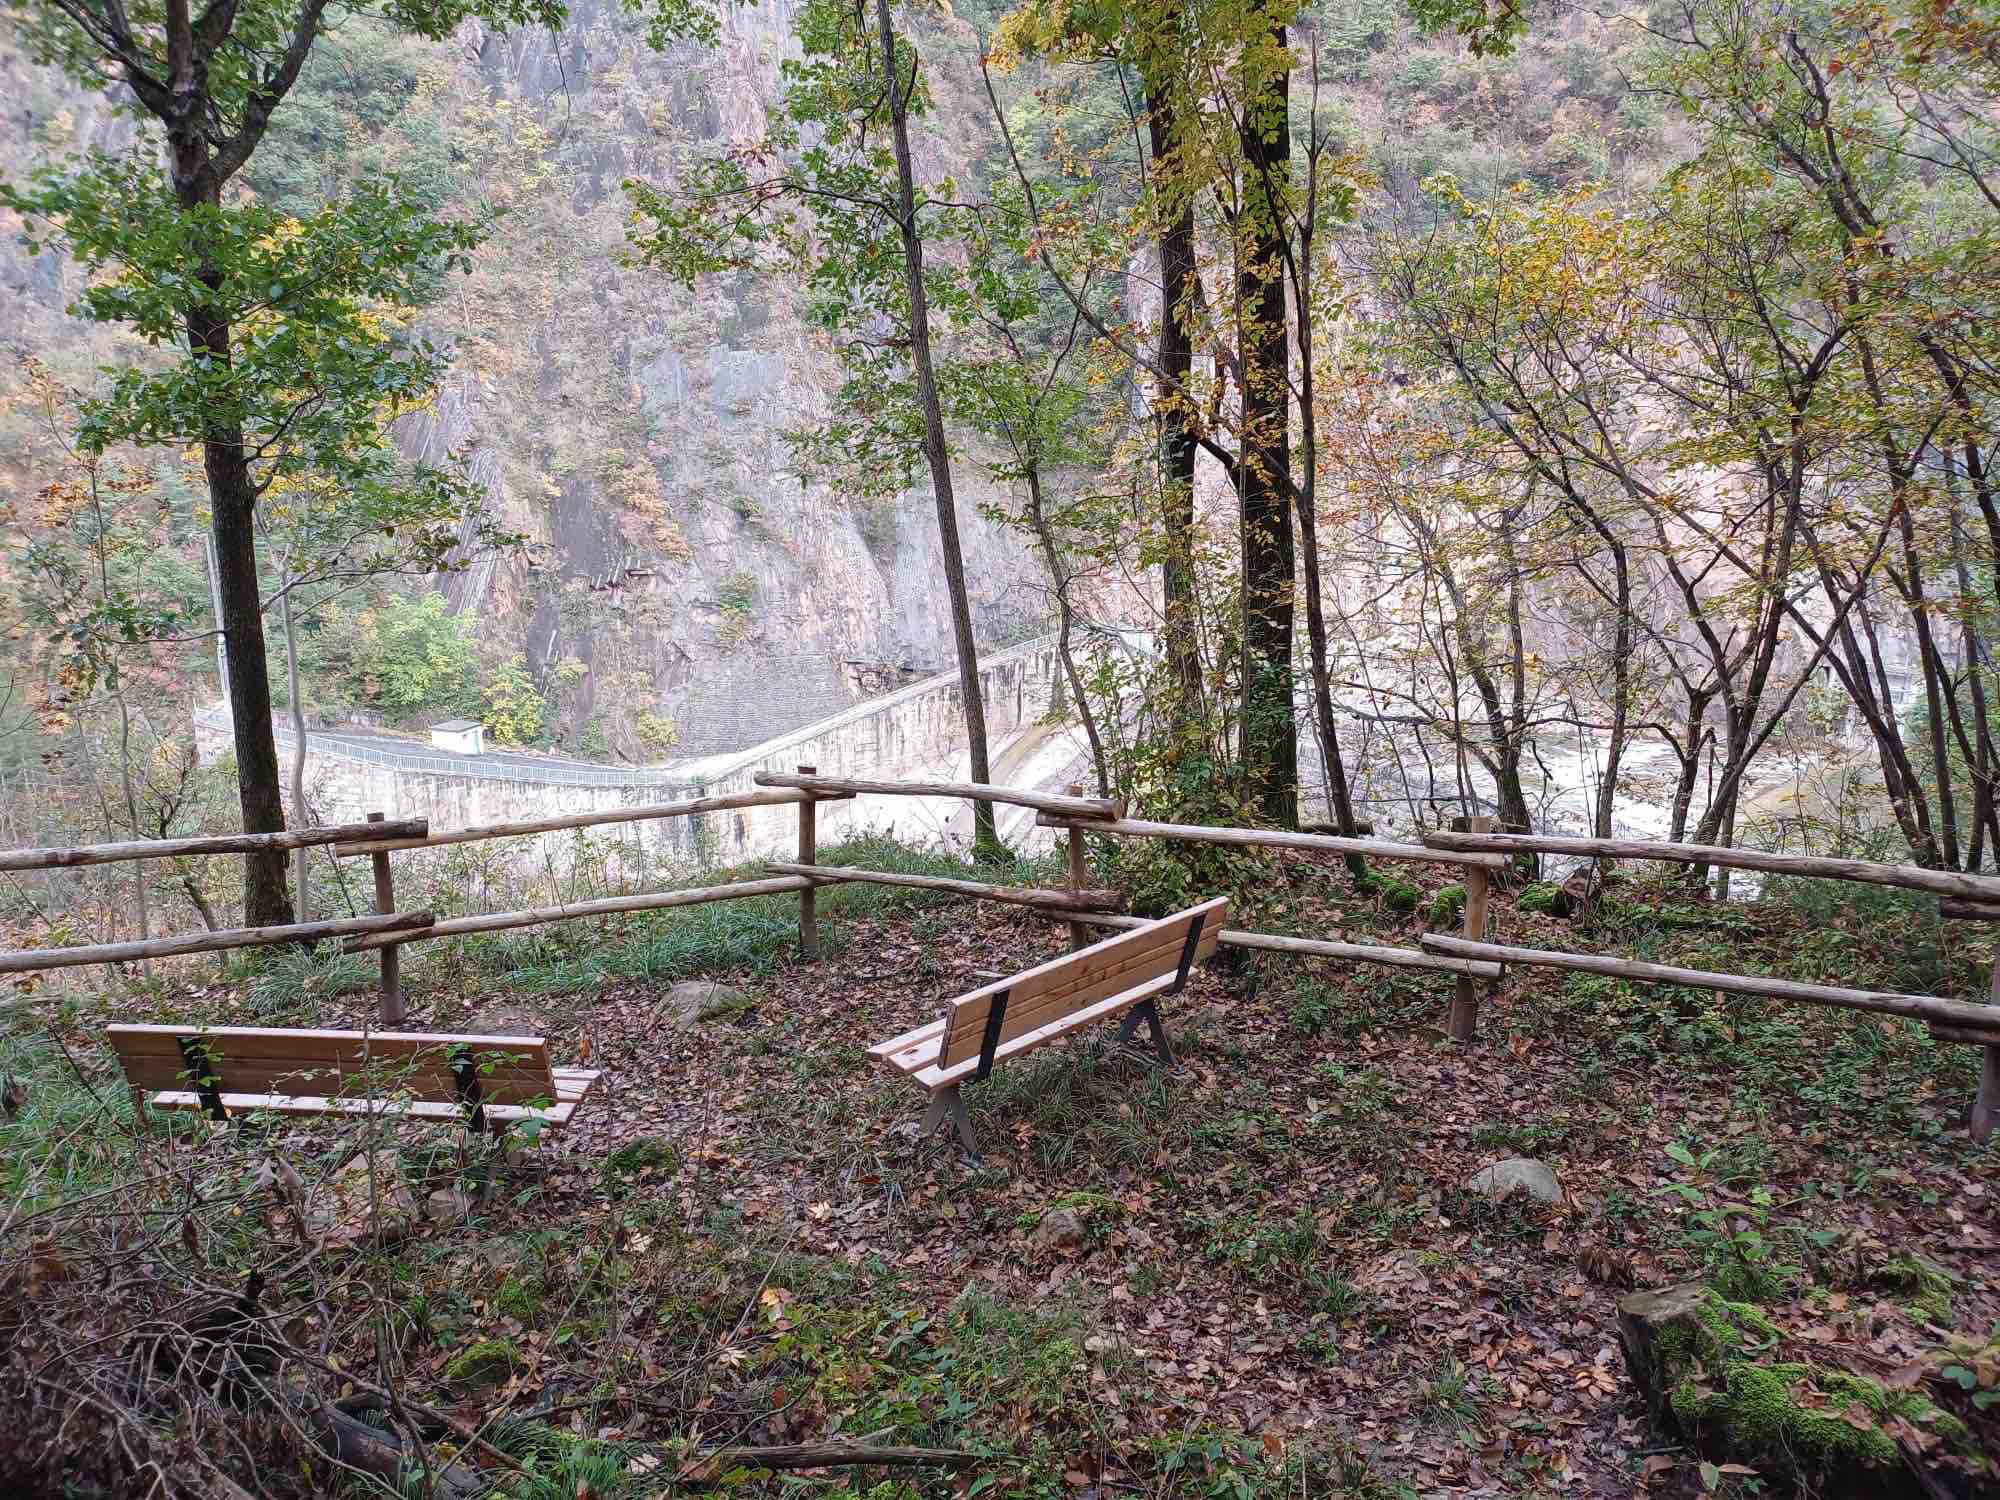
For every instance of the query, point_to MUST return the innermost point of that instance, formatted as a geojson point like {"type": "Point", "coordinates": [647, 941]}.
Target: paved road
{"type": "Point", "coordinates": [472, 765]}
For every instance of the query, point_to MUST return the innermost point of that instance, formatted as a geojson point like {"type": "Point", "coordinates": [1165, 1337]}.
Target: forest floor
{"type": "Point", "coordinates": [1261, 1272]}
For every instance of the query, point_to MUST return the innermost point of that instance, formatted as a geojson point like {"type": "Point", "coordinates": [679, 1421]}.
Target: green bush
{"type": "Point", "coordinates": [514, 710]}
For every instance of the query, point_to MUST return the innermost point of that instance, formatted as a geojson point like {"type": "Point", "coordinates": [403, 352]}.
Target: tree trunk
{"type": "Point", "coordinates": [1172, 412]}
{"type": "Point", "coordinates": [1269, 746]}
{"type": "Point", "coordinates": [298, 747]}
{"type": "Point", "coordinates": [1066, 617]}
{"type": "Point", "coordinates": [266, 902]}
{"type": "Point", "coordinates": [986, 840]}
{"type": "Point", "coordinates": [232, 507]}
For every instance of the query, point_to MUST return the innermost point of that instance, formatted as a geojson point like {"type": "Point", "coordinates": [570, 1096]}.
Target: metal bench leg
{"type": "Point", "coordinates": [948, 1101]}
{"type": "Point", "coordinates": [1148, 1012]}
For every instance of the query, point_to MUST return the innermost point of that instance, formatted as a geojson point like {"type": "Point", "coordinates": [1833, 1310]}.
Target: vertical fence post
{"type": "Point", "coordinates": [1465, 991]}
{"type": "Point", "coordinates": [1079, 932]}
{"type": "Point", "coordinates": [391, 1009]}
{"type": "Point", "coordinates": [1986, 1107]}
{"type": "Point", "coordinates": [809, 855]}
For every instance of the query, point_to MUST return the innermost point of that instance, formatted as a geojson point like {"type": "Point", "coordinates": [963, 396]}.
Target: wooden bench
{"type": "Point", "coordinates": [1124, 975]}
{"type": "Point", "coordinates": [485, 1082]}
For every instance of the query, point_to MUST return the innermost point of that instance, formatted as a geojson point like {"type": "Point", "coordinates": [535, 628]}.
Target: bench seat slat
{"type": "Point", "coordinates": [572, 1086]}
{"type": "Point", "coordinates": [886, 1051]}
{"type": "Point", "coordinates": [268, 1041]}
{"type": "Point", "coordinates": [941, 1076]}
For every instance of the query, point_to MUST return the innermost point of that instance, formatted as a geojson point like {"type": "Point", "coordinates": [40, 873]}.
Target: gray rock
{"type": "Point", "coordinates": [345, 1206]}
{"type": "Point", "coordinates": [695, 1000]}
{"type": "Point", "coordinates": [1518, 1174]}
{"type": "Point", "coordinates": [1060, 1229]}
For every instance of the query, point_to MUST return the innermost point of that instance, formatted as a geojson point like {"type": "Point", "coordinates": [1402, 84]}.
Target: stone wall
{"type": "Point", "coordinates": [915, 733]}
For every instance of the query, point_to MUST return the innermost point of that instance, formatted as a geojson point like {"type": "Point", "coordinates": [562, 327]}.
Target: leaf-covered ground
{"type": "Point", "coordinates": [1261, 1272]}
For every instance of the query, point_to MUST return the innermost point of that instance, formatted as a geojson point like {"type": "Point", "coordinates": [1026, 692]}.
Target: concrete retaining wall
{"type": "Point", "coordinates": [915, 733]}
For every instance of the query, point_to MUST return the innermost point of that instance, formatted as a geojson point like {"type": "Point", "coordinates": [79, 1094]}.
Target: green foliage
{"type": "Point", "coordinates": [316, 365]}
{"type": "Point", "coordinates": [1731, 1232]}
{"type": "Point", "coordinates": [1447, 906]}
{"type": "Point", "coordinates": [416, 655]}
{"type": "Point", "coordinates": [1398, 895]}
{"type": "Point", "coordinates": [647, 1153]}
{"type": "Point", "coordinates": [512, 707]}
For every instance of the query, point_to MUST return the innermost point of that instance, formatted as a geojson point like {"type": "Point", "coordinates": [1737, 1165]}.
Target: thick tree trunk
{"type": "Point", "coordinates": [1269, 747]}
{"type": "Point", "coordinates": [266, 901]}
{"type": "Point", "coordinates": [986, 840]}
{"type": "Point", "coordinates": [232, 500]}
{"type": "Point", "coordinates": [1172, 412]}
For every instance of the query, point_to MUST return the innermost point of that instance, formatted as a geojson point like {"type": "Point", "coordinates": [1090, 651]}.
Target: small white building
{"type": "Point", "coordinates": [466, 736]}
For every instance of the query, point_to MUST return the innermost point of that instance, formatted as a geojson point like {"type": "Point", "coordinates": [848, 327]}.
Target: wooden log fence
{"type": "Point", "coordinates": [1275, 838]}
{"type": "Point", "coordinates": [374, 840]}
{"type": "Point", "coordinates": [388, 928]}
{"type": "Point", "coordinates": [1480, 851]}
{"type": "Point", "coordinates": [1364, 953]}
{"type": "Point", "coordinates": [226, 843]}
{"type": "Point", "coordinates": [1102, 808]}
{"type": "Point", "coordinates": [536, 916]}
{"type": "Point", "coordinates": [1079, 899]}
{"type": "Point", "coordinates": [1975, 888]}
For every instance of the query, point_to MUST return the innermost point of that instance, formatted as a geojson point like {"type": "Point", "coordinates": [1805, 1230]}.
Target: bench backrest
{"type": "Point", "coordinates": [263, 1060]}
{"type": "Point", "coordinates": [1051, 991]}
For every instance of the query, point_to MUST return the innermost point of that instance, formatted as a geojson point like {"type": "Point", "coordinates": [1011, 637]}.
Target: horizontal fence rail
{"type": "Point", "coordinates": [1961, 1014]}
{"type": "Point", "coordinates": [975, 791]}
{"type": "Point", "coordinates": [536, 916]}
{"type": "Point", "coordinates": [392, 925]}
{"type": "Point", "coordinates": [1061, 901]}
{"type": "Point", "coordinates": [1977, 888]}
{"type": "Point", "coordinates": [375, 842]}
{"type": "Point", "coordinates": [1274, 838]}
{"type": "Point", "coordinates": [225, 843]}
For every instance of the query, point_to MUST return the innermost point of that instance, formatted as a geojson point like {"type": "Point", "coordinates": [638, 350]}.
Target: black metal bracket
{"type": "Point", "coordinates": [207, 1084]}
{"type": "Point", "coordinates": [996, 1017]}
{"type": "Point", "coordinates": [1149, 1012]}
{"type": "Point", "coordinates": [465, 1077]}
{"type": "Point", "coordinates": [1187, 951]}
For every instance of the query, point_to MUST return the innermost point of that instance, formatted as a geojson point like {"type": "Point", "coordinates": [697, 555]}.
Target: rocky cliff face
{"type": "Point", "coordinates": [688, 593]}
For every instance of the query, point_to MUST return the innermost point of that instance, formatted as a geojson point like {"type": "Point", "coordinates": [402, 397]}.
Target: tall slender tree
{"type": "Point", "coordinates": [277, 362]}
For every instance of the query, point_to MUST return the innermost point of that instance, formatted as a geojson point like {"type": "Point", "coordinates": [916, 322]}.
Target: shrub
{"type": "Point", "coordinates": [514, 709]}
{"type": "Point", "coordinates": [415, 656]}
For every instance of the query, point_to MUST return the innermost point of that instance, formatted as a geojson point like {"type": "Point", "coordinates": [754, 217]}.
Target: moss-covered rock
{"type": "Point", "coordinates": [1544, 897]}
{"type": "Point", "coordinates": [520, 1298]}
{"type": "Point", "coordinates": [1447, 906]}
{"type": "Point", "coordinates": [488, 1362]}
{"type": "Point", "coordinates": [1399, 895]}
{"type": "Point", "coordinates": [1701, 1361]}
{"type": "Point", "coordinates": [1921, 1285]}
{"type": "Point", "coordinates": [648, 1153]}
